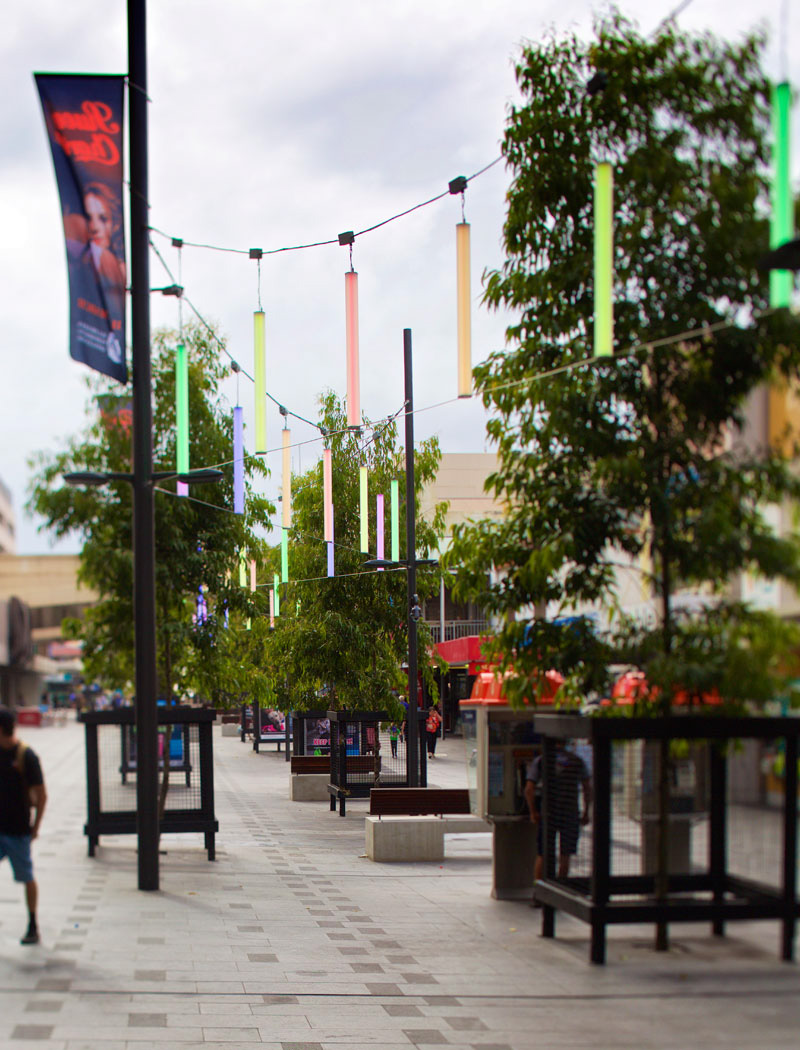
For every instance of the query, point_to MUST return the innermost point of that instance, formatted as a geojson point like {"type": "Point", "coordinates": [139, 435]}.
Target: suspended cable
{"type": "Point", "coordinates": [333, 240]}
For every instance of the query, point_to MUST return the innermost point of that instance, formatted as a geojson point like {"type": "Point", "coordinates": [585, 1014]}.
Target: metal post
{"type": "Point", "coordinates": [415, 757]}
{"type": "Point", "coordinates": [144, 589]}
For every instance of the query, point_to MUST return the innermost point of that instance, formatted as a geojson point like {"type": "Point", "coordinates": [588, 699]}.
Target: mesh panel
{"type": "Point", "coordinates": [635, 806]}
{"type": "Point", "coordinates": [117, 753]}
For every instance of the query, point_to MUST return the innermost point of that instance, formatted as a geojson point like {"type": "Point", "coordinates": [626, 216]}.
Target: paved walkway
{"type": "Point", "coordinates": [294, 941]}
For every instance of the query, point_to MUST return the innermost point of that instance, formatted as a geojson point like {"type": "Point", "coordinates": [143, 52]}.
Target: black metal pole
{"type": "Point", "coordinates": [415, 758]}
{"type": "Point", "coordinates": [144, 589]}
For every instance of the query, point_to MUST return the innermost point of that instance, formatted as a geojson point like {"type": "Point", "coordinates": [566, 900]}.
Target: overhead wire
{"type": "Point", "coordinates": [333, 240]}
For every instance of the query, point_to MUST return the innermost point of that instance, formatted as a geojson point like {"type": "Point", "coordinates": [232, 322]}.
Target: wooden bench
{"type": "Point", "coordinates": [310, 764]}
{"type": "Point", "coordinates": [417, 820]}
{"type": "Point", "coordinates": [417, 802]}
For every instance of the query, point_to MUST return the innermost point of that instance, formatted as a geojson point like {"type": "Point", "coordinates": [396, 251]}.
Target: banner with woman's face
{"type": "Point", "coordinates": [84, 118]}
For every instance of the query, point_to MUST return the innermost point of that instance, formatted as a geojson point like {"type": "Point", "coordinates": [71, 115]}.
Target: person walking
{"type": "Point", "coordinates": [394, 733]}
{"type": "Point", "coordinates": [432, 727]}
{"type": "Point", "coordinates": [21, 789]}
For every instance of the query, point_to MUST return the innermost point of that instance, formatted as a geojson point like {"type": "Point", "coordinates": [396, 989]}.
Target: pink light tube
{"type": "Point", "coordinates": [380, 552]}
{"type": "Point", "coordinates": [353, 377]}
{"type": "Point", "coordinates": [252, 574]}
{"type": "Point", "coordinates": [238, 460]}
{"type": "Point", "coordinates": [327, 496]}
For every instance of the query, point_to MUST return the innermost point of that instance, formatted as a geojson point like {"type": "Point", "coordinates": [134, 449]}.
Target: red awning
{"type": "Point", "coordinates": [464, 652]}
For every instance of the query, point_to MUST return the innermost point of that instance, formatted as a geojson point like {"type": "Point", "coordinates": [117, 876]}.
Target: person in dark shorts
{"type": "Point", "coordinates": [572, 780]}
{"type": "Point", "coordinates": [21, 789]}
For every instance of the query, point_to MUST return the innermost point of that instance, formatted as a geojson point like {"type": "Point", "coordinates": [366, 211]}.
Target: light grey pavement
{"type": "Point", "coordinates": [294, 941]}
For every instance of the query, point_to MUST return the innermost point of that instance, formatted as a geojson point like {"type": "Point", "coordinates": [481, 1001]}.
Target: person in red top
{"type": "Point", "coordinates": [21, 788]}
{"type": "Point", "coordinates": [432, 727]}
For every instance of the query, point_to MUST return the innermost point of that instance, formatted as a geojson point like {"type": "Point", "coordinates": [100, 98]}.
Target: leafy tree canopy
{"type": "Point", "coordinates": [640, 459]}
{"type": "Point", "coordinates": [340, 641]}
{"type": "Point", "coordinates": [198, 539]}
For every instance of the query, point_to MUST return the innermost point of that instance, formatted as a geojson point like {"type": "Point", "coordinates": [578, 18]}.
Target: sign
{"type": "Point", "coordinates": [84, 119]}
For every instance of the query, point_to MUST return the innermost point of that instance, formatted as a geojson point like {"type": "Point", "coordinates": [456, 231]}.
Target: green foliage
{"type": "Point", "coordinates": [197, 539]}
{"type": "Point", "coordinates": [636, 459]}
{"type": "Point", "coordinates": [340, 641]}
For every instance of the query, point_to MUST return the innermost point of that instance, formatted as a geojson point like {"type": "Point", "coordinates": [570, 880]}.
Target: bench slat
{"type": "Point", "coordinates": [384, 802]}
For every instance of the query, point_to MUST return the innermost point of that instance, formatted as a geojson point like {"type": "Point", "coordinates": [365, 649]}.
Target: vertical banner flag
{"type": "Point", "coordinates": [84, 119]}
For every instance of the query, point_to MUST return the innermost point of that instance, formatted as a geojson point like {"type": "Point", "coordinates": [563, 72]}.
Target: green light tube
{"type": "Point", "coordinates": [276, 584]}
{"type": "Point", "coordinates": [363, 508]}
{"type": "Point", "coordinates": [604, 260]}
{"type": "Point", "coordinates": [284, 555]}
{"type": "Point", "coordinates": [395, 520]}
{"type": "Point", "coordinates": [260, 379]}
{"type": "Point", "coordinates": [781, 282]}
{"type": "Point", "coordinates": [242, 568]}
{"type": "Point", "coordinates": [181, 409]}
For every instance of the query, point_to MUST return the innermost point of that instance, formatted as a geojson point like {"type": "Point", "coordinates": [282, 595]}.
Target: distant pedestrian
{"type": "Point", "coordinates": [21, 789]}
{"type": "Point", "coordinates": [432, 725]}
{"type": "Point", "coordinates": [394, 733]}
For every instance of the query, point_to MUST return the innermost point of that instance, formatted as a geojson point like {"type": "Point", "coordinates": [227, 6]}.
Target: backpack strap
{"type": "Point", "coordinates": [19, 758]}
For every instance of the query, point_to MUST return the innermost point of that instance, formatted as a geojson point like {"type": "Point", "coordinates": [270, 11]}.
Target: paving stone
{"type": "Point", "coordinates": [466, 1024]}
{"type": "Point", "coordinates": [263, 957]}
{"type": "Point", "coordinates": [32, 1031]}
{"type": "Point", "coordinates": [53, 984]}
{"type": "Point", "coordinates": [419, 978]}
{"type": "Point", "coordinates": [150, 975]}
{"type": "Point", "coordinates": [44, 1006]}
{"type": "Point", "coordinates": [402, 1010]}
{"type": "Point", "coordinates": [147, 1020]}
{"type": "Point", "coordinates": [425, 1036]}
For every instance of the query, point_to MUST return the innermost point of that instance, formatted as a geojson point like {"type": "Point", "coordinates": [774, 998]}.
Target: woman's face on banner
{"type": "Point", "coordinates": [99, 215]}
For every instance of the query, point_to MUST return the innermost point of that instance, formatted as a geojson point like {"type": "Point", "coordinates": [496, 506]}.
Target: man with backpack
{"type": "Point", "coordinates": [21, 789]}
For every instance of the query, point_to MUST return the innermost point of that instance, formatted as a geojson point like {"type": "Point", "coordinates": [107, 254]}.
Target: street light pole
{"type": "Point", "coordinates": [415, 759]}
{"type": "Point", "coordinates": [144, 588]}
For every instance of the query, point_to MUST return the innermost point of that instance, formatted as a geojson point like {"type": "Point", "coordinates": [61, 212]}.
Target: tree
{"type": "Point", "coordinates": [198, 539]}
{"type": "Point", "coordinates": [340, 641]}
{"type": "Point", "coordinates": [639, 455]}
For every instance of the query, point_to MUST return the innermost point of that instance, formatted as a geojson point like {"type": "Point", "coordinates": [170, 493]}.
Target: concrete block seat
{"type": "Point", "coordinates": [409, 824]}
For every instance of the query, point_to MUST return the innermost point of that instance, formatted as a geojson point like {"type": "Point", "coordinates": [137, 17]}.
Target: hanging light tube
{"type": "Point", "coordinates": [286, 497]}
{"type": "Point", "coordinates": [353, 374]}
{"type": "Point", "coordinates": [327, 496]}
{"type": "Point", "coordinates": [276, 588]}
{"type": "Point", "coordinates": [331, 569]}
{"type": "Point", "coordinates": [182, 415]}
{"type": "Point", "coordinates": [271, 607]}
{"type": "Point", "coordinates": [395, 520]}
{"type": "Point", "coordinates": [253, 581]}
{"type": "Point", "coordinates": [604, 260]}
{"type": "Point", "coordinates": [379, 529]}
{"type": "Point", "coordinates": [284, 555]}
{"type": "Point", "coordinates": [260, 379]}
{"type": "Point", "coordinates": [242, 568]}
{"type": "Point", "coordinates": [781, 282]}
{"type": "Point", "coordinates": [238, 460]}
{"type": "Point", "coordinates": [363, 508]}
{"type": "Point", "coordinates": [464, 306]}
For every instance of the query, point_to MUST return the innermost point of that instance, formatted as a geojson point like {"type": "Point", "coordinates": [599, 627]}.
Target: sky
{"type": "Point", "coordinates": [273, 125]}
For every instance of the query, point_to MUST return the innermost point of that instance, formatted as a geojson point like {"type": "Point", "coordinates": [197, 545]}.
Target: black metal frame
{"type": "Point", "coordinates": [299, 719]}
{"type": "Point", "coordinates": [261, 737]}
{"type": "Point", "coordinates": [129, 755]}
{"type": "Point", "coordinates": [175, 820]}
{"type": "Point", "coordinates": [341, 787]}
{"type": "Point", "coordinates": [726, 897]}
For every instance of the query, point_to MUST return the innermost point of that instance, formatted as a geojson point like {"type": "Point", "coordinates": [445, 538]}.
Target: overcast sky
{"type": "Point", "coordinates": [273, 125]}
